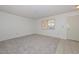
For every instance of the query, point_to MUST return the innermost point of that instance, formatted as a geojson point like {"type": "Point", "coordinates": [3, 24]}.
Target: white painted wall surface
{"type": "Point", "coordinates": [73, 31]}
{"type": "Point", "coordinates": [12, 26]}
{"type": "Point", "coordinates": [60, 28]}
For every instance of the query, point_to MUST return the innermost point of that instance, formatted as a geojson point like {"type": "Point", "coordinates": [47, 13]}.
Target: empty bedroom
{"type": "Point", "coordinates": [39, 29]}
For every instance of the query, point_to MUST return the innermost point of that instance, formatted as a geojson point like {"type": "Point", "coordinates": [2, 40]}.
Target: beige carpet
{"type": "Point", "coordinates": [38, 44]}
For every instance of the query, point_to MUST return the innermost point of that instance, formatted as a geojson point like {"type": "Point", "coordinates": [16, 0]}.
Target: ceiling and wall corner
{"type": "Point", "coordinates": [36, 11]}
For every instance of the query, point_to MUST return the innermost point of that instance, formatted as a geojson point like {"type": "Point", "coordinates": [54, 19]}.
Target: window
{"type": "Point", "coordinates": [51, 24]}
{"type": "Point", "coordinates": [48, 24]}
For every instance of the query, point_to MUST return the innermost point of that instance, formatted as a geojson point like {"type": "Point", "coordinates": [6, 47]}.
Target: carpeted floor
{"type": "Point", "coordinates": [38, 44]}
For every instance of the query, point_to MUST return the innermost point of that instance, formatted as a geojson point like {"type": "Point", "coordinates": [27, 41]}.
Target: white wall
{"type": "Point", "coordinates": [60, 28]}
{"type": "Point", "coordinates": [73, 31]}
{"type": "Point", "coordinates": [12, 26]}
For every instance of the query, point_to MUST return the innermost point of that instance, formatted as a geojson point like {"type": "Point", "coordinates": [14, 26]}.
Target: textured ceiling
{"type": "Point", "coordinates": [36, 11]}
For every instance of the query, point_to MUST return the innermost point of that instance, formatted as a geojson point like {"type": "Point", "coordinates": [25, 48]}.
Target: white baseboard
{"type": "Point", "coordinates": [15, 37]}
{"type": "Point", "coordinates": [29, 35]}
{"type": "Point", "coordinates": [52, 36]}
